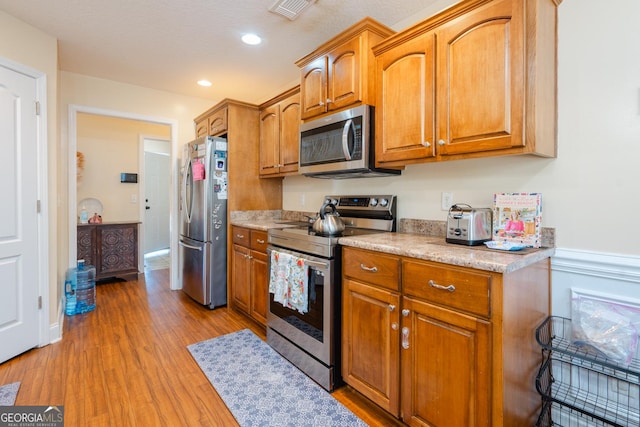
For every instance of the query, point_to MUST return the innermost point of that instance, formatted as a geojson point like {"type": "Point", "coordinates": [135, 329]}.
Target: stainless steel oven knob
{"type": "Point", "coordinates": [374, 202]}
{"type": "Point", "coordinates": [384, 202]}
{"type": "Point", "coordinates": [334, 202]}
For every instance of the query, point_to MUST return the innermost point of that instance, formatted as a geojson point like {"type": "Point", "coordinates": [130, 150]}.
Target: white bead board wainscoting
{"type": "Point", "coordinates": [609, 277]}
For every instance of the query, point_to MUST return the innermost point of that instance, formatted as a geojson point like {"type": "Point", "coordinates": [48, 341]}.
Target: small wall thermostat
{"type": "Point", "coordinates": [129, 177]}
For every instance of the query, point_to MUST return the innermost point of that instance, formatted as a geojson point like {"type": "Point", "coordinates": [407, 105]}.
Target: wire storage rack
{"type": "Point", "coordinates": [580, 387]}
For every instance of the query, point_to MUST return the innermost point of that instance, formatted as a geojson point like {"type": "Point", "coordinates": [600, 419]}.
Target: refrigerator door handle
{"type": "Point", "coordinates": [186, 184]}
{"type": "Point", "coordinates": [197, 248]}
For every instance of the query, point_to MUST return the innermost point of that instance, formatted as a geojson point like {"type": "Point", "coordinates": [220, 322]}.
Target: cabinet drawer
{"type": "Point", "coordinates": [259, 241]}
{"type": "Point", "coordinates": [241, 236]}
{"type": "Point", "coordinates": [371, 267]}
{"type": "Point", "coordinates": [449, 286]}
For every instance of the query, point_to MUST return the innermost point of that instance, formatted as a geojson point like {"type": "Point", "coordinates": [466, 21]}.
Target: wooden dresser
{"type": "Point", "coordinates": [112, 248]}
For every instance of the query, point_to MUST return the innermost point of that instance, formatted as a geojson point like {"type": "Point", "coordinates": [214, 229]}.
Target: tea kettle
{"type": "Point", "coordinates": [328, 223]}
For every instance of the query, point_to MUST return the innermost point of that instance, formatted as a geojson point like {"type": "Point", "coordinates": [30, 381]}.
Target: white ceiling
{"type": "Point", "coordinates": [170, 44]}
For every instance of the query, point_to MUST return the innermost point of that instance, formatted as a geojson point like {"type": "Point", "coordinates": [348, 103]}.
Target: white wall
{"type": "Point", "coordinates": [39, 51]}
{"type": "Point", "coordinates": [593, 185]}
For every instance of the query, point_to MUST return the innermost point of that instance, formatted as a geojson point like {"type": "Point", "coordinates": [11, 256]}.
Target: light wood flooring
{"type": "Point", "coordinates": [126, 363]}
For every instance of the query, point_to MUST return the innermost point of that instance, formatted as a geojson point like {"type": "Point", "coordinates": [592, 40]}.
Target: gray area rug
{"type": "Point", "coordinates": [261, 388]}
{"type": "Point", "coordinates": [8, 394]}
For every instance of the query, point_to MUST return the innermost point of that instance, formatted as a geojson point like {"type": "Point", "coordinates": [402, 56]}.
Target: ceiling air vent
{"type": "Point", "coordinates": [290, 9]}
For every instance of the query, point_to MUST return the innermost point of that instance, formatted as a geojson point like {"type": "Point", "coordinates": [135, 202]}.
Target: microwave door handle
{"type": "Point", "coordinates": [345, 139]}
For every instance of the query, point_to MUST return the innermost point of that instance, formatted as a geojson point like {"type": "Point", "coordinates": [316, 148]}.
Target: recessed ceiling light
{"type": "Point", "coordinates": [251, 39]}
{"type": "Point", "coordinates": [205, 83]}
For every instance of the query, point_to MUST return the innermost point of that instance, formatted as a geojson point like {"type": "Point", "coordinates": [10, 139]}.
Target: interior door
{"type": "Point", "coordinates": [157, 185]}
{"type": "Point", "coordinates": [18, 214]}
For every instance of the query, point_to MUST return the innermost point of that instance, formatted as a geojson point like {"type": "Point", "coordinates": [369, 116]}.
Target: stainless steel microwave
{"type": "Point", "coordinates": [341, 146]}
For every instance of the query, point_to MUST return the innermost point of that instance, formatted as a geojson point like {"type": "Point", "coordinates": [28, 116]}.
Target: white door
{"type": "Point", "coordinates": [18, 214]}
{"type": "Point", "coordinates": [157, 187]}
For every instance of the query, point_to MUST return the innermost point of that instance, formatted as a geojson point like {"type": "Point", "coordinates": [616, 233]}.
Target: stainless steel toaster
{"type": "Point", "coordinates": [468, 226]}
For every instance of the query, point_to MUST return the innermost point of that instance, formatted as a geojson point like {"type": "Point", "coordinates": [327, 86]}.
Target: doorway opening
{"type": "Point", "coordinates": [132, 194]}
{"type": "Point", "coordinates": [155, 189]}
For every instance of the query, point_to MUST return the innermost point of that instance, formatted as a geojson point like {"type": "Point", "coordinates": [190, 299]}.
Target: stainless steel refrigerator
{"type": "Point", "coordinates": [203, 221]}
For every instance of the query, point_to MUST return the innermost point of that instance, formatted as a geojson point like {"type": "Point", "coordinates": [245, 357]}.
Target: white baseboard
{"type": "Point", "coordinates": [55, 329]}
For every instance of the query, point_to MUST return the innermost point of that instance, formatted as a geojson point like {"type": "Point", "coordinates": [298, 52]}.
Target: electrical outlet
{"type": "Point", "coordinates": [134, 198]}
{"type": "Point", "coordinates": [447, 201]}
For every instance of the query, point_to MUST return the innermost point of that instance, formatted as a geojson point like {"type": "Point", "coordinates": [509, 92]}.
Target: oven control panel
{"type": "Point", "coordinates": [363, 203]}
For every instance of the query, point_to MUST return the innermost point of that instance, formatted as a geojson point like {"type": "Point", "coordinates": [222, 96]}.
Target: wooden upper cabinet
{"type": "Point", "coordinates": [313, 88]}
{"type": "Point", "coordinates": [476, 80]}
{"type": "Point", "coordinates": [481, 67]}
{"type": "Point", "coordinates": [405, 78]}
{"type": "Point", "coordinates": [339, 74]}
{"type": "Point", "coordinates": [202, 128]}
{"type": "Point", "coordinates": [269, 140]}
{"type": "Point", "coordinates": [218, 122]}
{"type": "Point", "coordinates": [280, 135]}
{"type": "Point", "coordinates": [213, 124]}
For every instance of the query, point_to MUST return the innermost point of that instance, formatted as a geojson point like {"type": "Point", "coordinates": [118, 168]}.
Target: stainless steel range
{"type": "Point", "coordinates": [310, 337]}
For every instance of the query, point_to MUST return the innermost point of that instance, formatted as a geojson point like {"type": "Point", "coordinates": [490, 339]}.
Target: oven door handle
{"type": "Point", "coordinates": [316, 264]}
{"type": "Point", "coordinates": [308, 262]}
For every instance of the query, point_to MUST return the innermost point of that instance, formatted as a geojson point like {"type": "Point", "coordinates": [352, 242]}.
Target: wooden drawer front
{"type": "Point", "coordinates": [241, 236]}
{"type": "Point", "coordinates": [372, 267]}
{"type": "Point", "coordinates": [449, 286]}
{"type": "Point", "coordinates": [259, 241]}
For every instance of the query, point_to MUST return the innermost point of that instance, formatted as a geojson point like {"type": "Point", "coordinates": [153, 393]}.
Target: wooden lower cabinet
{"type": "Point", "coordinates": [440, 345]}
{"type": "Point", "coordinates": [111, 248]}
{"type": "Point", "coordinates": [446, 367]}
{"type": "Point", "coordinates": [249, 273]}
{"type": "Point", "coordinates": [368, 312]}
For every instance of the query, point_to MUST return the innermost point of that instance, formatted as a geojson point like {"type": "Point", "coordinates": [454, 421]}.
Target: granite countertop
{"type": "Point", "coordinates": [435, 249]}
{"type": "Point", "coordinates": [418, 245]}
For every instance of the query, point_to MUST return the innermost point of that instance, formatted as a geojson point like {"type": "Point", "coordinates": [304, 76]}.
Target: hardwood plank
{"type": "Point", "coordinates": [126, 363]}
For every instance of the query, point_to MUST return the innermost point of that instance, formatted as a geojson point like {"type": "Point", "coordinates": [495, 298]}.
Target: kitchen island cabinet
{"type": "Point", "coordinates": [249, 274]}
{"type": "Point", "coordinates": [280, 135]}
{"type": "Point", "coordinates": [339, 74]}
{"type": "Point", "coordinates": [112, 248]}
{"type": "Point", "coordinates": [464, 333]}
{"type": "Point", "coordinates": [476, 80]}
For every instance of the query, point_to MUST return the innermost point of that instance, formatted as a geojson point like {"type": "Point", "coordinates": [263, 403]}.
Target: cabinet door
{"type": "Point", "coordinates": [313, 88]}
{"type": "Point", "coordinates": [446, 367]}
{"type": "Point", "coordinates": [405, 88]}
{"type": "Point", "coordinates": [218, 122]}
{"type": "Point", "coordinates": [241, 278]}
{"type": "Point", "coordinates": [290, 134]}
{"type": "Point", "coordinates": [87, 245]}
{"type": "Point", "coordinates": [344, 75]}
{"type": "Point", "coordinates": [370, 347]}
{"type": "Point", "coordinates": [117, 249]}
{"type": "Point", "coordinates": [259, 286]}
{"type": "Point", "coordinates": [270, 140]}
{"type": "Point", "coordinates": [202, 128]}
{"type": "Point", "coordinates": [481, 80]}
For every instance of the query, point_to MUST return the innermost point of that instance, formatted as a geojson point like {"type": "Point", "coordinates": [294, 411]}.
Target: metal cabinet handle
{"type": "Point", "coordinates": [240, 236]}
{"type": "Point", "coordinates": [442, 142]}
{"type": "Point", "coordinates": [394, 326]}
{"type": "Point", "coordinates": [406, 312]}
{"type": "Point", "coordinates": [373, 269]}
{"type": "Point", "coordinates": [392, 307]}
{"type": "Point", "coordinates": [405, 338]}
{"type": "Point", "coordinates": [449, 288]}
{"type": "Point", "coordinates": [260, 241]}
{"type": "Point", "coordinates": [426, 144]}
